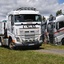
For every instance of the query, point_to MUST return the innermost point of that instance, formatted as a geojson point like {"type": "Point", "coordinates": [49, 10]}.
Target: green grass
{"type": "Point", "coordinates": [28, 57]}
{"type": "Point", "coordinates": [50, 46]}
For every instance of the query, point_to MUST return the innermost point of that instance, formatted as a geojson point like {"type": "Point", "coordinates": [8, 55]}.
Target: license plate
{"type": "Point", "coordinates": [31, 44]}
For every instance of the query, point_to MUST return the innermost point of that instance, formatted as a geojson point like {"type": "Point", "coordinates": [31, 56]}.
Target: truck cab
{"type": "Point", "coordinates": [24, 28]}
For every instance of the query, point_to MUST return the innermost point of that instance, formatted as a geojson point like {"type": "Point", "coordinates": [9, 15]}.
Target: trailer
{"type": "Point", "coordinates": [22, 29]}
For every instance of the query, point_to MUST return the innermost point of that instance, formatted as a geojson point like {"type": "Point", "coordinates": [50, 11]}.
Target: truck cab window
{"type": "Point", "coordinates": [28, 18]}
{"type": "Point", "coordinates": [61, 24]}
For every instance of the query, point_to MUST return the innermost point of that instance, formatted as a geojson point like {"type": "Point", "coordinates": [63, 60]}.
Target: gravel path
{"type": "Point", "coordinates": [54, 51]}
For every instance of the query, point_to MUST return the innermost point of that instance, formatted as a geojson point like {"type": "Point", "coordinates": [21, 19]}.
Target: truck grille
{"type": "Point", "coordinates": [29, 36]}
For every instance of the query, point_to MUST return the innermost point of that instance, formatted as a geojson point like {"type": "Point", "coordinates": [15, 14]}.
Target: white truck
{"type": "Point", "coordinates": [56, 30]}
{"type": "Point", "coordinates": [22, 29]}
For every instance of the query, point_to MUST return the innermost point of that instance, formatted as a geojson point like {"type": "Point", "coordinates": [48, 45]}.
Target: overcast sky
{"type": "Point", "coordinates": [46, 7]}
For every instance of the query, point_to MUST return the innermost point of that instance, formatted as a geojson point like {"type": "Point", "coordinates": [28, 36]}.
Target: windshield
{"type": "Point", "coordinates": [27, 18]}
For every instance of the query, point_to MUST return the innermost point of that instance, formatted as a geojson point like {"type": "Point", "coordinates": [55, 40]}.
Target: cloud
{"type": "Point", "coordinates": [46, 7]}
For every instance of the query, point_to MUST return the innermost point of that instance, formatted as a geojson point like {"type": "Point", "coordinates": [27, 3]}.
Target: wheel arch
{"type": "Point", "coordinates": [62, 40]}
{"type": "Point", "coordinates": [9, 39]}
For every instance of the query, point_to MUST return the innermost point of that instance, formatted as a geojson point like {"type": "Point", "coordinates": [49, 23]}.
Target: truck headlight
{"type": "Point", "coordinates": [23, 40]}
{"type": "Point", "coordinates": [17, 38]}
{"type": "Point", "coordinates": [36, 39]}
{"type": "Point", "coordinates": [40, 41]}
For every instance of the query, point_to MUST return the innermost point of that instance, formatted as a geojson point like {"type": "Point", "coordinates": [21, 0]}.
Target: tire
{"type": "Point", "coordinates": [10, 44]}
{"type": "Point", "coordinates": [62, 41]}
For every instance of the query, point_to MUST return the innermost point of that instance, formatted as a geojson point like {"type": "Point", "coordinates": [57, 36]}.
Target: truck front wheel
{"type": "Point", "coordinates": [11, 46]}
{"type": "Point", "coordinates": [10, 43]}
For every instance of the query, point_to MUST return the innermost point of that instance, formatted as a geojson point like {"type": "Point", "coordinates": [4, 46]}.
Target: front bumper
{"type": "Point", "coordinates": [29, 44]}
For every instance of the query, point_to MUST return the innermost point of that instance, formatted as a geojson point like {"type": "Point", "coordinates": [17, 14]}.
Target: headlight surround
{"type": "Point", "coordinates": [18, 39]}
{"type": "Point", "coordinates": [40, 41]}
{"type": "Point", "coordinates": [36, 39]}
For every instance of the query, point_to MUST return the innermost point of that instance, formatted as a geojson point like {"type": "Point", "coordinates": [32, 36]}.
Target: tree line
{"type": "Point", "coordinates": [51, 17]}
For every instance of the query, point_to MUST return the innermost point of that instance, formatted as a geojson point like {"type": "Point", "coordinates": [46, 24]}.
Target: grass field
{"type": "Point", "coordinates": [47, 46]}
{"type": "Point", "coordinates": [29, 56]}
